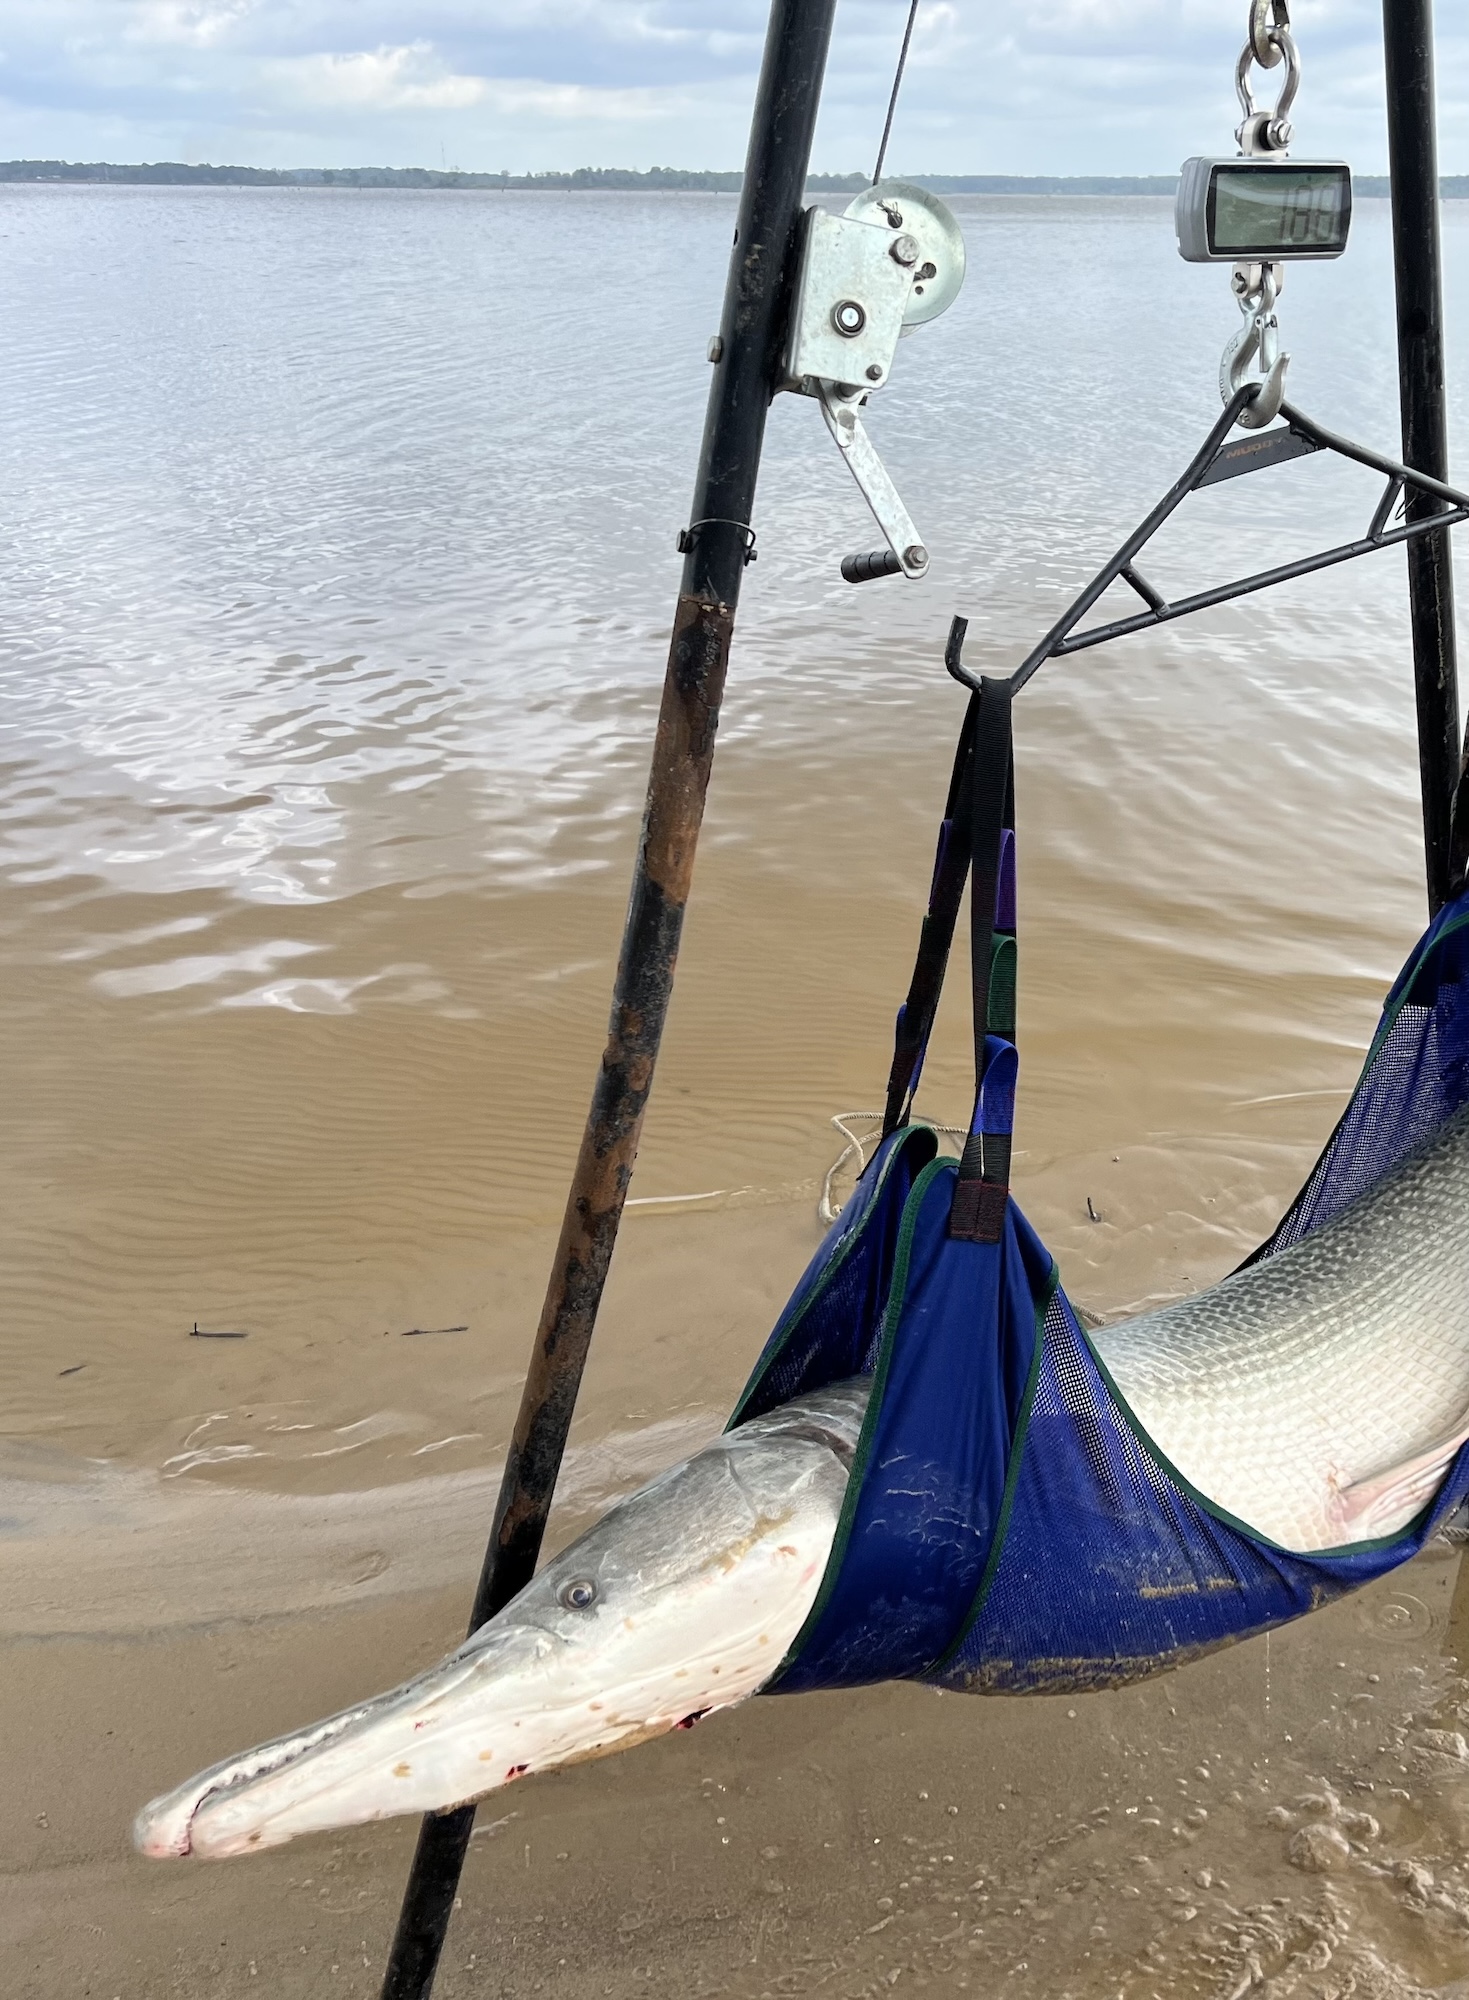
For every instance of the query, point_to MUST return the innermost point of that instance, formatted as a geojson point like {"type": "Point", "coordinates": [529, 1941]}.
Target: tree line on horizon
{"type": "Point", "coordinates": [175, 173]}
{"type": "Point", "coordinates": [171, 173]}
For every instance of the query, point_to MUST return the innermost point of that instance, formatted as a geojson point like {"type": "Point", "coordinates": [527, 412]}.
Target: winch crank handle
{"type": "Point", "coordinates": [863, 568]}
{"type": "Point", "coordinates": [878, 489]}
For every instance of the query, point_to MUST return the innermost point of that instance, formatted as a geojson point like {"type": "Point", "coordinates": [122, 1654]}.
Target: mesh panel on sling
{"type": "Point", "coordinates": [1112, 1568]}
{"type": "Point", "coordinates": [1008, 1526]}
{"type": "Point", "coordinates": [829, 1329]}
{"type": "Point", "coordinates": [1415, 1078]}
{"type": "Point", "coordinates": [953, 1354]}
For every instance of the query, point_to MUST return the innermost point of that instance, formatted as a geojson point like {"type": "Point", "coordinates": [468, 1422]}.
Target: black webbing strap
{"type": "Point", "coordinates": [983, 1188]}
{"type": "Point", "coordinates": [951, 871]}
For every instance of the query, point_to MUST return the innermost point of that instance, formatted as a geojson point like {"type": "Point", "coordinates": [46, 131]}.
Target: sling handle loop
{"type": "Point", "coordinates": [982, 1192]}
{"type": "Point", "coordinates": [950, 872]}
{"type": "Point", "coordinates": [978, 816]}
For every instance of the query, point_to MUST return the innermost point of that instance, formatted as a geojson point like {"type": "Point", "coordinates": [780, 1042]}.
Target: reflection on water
{"type": "Point", "coordinates": [338, 563]}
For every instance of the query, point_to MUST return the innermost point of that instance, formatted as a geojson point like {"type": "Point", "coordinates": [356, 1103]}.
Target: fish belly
{"type": "Point", "coordinates": [1319, 1396]}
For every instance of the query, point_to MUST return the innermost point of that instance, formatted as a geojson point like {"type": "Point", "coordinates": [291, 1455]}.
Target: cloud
{"type": "Point", "coordinates": [413, 77]}
{"type": "Point", "coordinates": [195, 26]}
{"type": "Point", "coordinates": [1060, 86]}
{"type": "Point", "coordinates": [384, 79]}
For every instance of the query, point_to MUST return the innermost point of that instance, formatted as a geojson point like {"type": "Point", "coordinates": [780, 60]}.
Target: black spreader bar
{"type": "Point", "coordinates": [1259, 449]}
{"type": "Point", "coordinates": [1298, 436]}
{"type": "Point", "coordinates": [1164, 614]}
{"type": "Point", "coordinates": [1143, 588]}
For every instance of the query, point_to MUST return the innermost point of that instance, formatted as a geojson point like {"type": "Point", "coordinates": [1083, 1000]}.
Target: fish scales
{"type": "Point", "coordinates": [1318, 1395]}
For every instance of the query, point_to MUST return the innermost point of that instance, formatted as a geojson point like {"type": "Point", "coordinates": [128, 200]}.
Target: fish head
{"type": "Point", "coordinates": [681, 1600]}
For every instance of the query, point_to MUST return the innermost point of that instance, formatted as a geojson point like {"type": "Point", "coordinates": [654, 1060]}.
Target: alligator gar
{"type": "Point", "coordinates": [1317, 1396]}
{"type": "Point", "coordinates": [682, 1599]}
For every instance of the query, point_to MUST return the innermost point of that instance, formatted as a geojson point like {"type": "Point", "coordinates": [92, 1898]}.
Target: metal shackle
{"type": "Point", "coordinates": [1268, 43]}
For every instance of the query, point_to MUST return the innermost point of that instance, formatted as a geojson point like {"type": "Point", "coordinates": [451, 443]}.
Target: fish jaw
{"type": "Point", "coordinates": [163, 1830]}
{"type": "Point", "coordinates": [531, 1702]}
{"type": "Point", "coordinates": [279, 1773]}
{"type": "Point", "coordinates": [698, 1584]}
{"type": "Point", "coordinates": [422, 1748]}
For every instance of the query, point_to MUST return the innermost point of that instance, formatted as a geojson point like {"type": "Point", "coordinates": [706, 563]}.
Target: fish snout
{"type": "Point", "coordinates": [164, 1828]}
{"type": "Point", "coordinates": [161, 1834]}
{"type": "Point", "coordinates": [426, 1746]}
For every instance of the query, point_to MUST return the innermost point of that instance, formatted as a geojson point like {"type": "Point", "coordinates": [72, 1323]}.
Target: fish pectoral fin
{"type": "Point", "coordinates": [1388, 1500]}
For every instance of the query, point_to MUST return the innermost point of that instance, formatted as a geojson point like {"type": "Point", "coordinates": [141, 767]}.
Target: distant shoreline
{"type": "Point", "coordinates": [169, 173]}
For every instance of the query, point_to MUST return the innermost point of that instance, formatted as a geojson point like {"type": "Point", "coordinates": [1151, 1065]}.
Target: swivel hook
{"type": "Point", "coordinates": [1257, 287]}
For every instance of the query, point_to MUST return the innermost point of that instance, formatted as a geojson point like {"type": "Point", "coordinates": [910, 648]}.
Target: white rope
{"type": "Point", "coordinates": [860, 1147]}
{"type": "Point", "coordinates": [680, 1200]}
{"type": "Point", "coordinates": [858, 1144]}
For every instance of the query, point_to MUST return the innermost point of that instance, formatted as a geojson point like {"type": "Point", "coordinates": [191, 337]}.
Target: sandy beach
{"type": "Point", "coordinates": [1145, 1842]}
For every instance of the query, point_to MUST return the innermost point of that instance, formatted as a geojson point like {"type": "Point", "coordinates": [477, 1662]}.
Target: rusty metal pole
{"type": "Point", "coordinates": [717, 544]}
{"type": "Point", "coordinates": [1407, 27]}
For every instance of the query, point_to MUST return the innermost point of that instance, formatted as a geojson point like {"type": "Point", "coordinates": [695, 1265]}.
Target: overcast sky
{"type": "Point", "coordinates": [1080, 86]}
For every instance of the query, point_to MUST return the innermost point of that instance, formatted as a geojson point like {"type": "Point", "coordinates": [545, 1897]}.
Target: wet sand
{"type": "Point", "coordinates": [308, 908]}
{"type": "Point", "coordinates": [1288, 1820]}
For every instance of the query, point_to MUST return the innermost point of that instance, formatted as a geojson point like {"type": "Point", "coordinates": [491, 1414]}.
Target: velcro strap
{"type": "Point", "coordinates": [978, 1212]}
{"type": "Point", "coordinates": [997, 1147]}
{"type": "Point", "coordinates": [983, 1190]}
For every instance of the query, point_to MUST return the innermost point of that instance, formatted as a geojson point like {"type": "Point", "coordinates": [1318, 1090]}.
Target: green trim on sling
{"type": "Point", "coordinates": [892, 1313]}
{"type": "Point", "coordinates": [1003, 964]}
{"type": "Point", "coordinates": [1185, 1485]}
{"type": "Point", "coordinates": [833, 1267]}
{"type": "Point", "coordinates": [1012, 1478]}
{"type": "Point", "coordinates": [1390, 1020]}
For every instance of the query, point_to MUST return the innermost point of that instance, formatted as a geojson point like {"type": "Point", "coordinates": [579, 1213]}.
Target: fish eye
{"type": "Point", "coordinates": [579, 1594]}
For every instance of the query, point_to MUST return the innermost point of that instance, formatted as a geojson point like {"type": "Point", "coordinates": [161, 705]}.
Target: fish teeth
{"type": "Point", "coordinates": [164, 1827]}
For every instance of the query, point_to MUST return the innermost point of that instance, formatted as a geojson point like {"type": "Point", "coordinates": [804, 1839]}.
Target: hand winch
{"type": "Point", "coordinates": [892, 262]}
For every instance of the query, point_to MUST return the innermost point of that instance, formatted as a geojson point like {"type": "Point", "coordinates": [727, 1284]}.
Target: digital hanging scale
{"type": "Point", "coordinates": [1243, 210]}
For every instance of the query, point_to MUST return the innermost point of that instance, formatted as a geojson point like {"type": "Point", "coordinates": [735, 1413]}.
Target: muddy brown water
{"type": "Point", "coordinates": [328, 694]}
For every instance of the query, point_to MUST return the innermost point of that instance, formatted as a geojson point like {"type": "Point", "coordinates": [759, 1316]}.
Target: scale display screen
{"type": "Point", "coordinates": [1270, 213]}
{"type": "Point", "coordinates": [1239, 210]}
